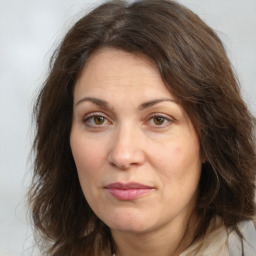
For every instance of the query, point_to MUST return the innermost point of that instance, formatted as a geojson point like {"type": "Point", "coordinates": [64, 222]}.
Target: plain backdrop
{"type": "Point", "coordinates": [29, 32]}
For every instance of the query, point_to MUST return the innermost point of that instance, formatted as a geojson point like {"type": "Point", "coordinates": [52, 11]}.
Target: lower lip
{"type": "Point", "coordinates": [128, 194]}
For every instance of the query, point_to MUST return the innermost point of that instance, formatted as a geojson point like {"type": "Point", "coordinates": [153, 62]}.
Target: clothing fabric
{"type": "Point", "coordinates": [248, 230]}
{"type": "Point", "coordinates": [225, 242]}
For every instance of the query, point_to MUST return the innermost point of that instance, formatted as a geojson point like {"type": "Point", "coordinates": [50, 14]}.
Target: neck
{"type": "Point", "coordinates": [171, 239]}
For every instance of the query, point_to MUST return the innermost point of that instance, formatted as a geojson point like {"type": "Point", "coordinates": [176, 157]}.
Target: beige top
{"type": "Point", "coordinates": [222, 242]}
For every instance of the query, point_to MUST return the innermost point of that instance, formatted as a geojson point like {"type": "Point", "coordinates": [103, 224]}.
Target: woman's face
{"type": "Point", "coordinates": [136, 151]}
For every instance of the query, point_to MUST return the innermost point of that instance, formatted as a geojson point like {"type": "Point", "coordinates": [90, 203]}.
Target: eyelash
{"type": "Point", "coordinates": [90, 117]}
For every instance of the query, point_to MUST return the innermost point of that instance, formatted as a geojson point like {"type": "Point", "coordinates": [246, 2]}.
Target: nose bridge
{"type": "Point", "coordinates": [126, 149]}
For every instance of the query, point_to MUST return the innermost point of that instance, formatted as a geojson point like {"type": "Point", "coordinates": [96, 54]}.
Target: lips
{"type": "Point", "coordinates": [128, 191]}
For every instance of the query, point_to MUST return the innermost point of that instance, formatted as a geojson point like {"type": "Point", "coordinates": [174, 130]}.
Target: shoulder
{"type": "Point", "coordinates": [215, 241]}
{"type": "Point", "coordinates": [225, 242]}
{"type": "Point", "coordinates": [248, 243]}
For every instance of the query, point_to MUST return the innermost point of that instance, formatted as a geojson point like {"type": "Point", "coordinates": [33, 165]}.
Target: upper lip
{"type": "Point", "coordinates": [131, 185]}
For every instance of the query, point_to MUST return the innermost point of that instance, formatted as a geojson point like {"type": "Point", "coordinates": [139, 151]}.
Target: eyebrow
{"type": "Point", "coordinates": [154, 102]}
{"type": "Point", "coordinates": [96, 101]}
{"type": "Point", "coordinates": [105, 104]}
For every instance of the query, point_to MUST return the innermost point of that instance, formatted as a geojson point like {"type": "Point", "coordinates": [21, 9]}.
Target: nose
{"type": "Point", "coordinates": [127, 148]}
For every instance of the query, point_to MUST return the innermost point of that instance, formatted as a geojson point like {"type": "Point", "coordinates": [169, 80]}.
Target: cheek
{"type": "Point", "coordinates": [167, 158]}
{"type": "Point", "coordinates": [87, 164]}
{"type": "Point", "coordinates": [86, 157]}
{"type": "Point", "coordinates": [186, 157]}
{"type": "Point", "coordinates": [176, 155]}
{"type": "Point", "coordinates": [178, 161]}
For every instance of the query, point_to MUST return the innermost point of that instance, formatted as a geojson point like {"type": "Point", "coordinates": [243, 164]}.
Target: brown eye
{"type": "Point", "coordinates": [158, 120]}
{"type": "Point", "coordinates": [98, 120]}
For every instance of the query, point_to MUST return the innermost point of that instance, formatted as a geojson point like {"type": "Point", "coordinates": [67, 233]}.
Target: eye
{"type": "Point", "coordinates": [99, 120]}
{"type": "Point", "coordinates": [159, 121]}
{"type": "Point", "coordinates": [95, 120]}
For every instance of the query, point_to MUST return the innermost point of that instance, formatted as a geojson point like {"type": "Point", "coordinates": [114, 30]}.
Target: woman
{"type": "Point", "coordinates": [143, 143]}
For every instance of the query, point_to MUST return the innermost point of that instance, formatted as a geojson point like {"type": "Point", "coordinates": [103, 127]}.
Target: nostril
{"type": "Point", "coordinates": [125, 160]}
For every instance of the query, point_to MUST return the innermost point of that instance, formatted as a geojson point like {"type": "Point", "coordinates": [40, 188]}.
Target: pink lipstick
{"type": "Point", "coordinates": [128, 191]}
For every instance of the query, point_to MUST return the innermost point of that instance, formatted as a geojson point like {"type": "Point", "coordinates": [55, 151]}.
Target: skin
{"type": "Point", "coordinates": [117, 137]}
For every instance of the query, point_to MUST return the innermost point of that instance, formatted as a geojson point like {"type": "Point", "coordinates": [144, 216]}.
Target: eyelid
{"type": "Point", "coordinates": [161, 115]}
{"type": "Point", "coordinates": [97, 113]}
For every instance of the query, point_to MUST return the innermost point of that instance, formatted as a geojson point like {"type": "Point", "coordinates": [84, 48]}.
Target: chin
{"type": "Point", "coordinates": [129, 227]}
{"type": "Point", "coordinates": [129, 221]}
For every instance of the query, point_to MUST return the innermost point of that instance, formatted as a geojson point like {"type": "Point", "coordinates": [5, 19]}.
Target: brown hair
{"type": "Point", "coordinates": [192, 62]}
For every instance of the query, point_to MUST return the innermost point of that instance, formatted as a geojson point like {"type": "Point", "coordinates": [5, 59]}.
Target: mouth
{"type": "Point", "coordinates": [128, 191]}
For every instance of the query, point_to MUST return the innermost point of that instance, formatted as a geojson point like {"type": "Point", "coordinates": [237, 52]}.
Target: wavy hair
{"type": "Point", "coordinates": [193, 64]}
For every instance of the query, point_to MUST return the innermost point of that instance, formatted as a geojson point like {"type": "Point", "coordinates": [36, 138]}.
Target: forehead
{"type": "Point", "coordinates": [114, 69]}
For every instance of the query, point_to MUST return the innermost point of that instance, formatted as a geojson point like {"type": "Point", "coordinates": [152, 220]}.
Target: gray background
{"type": "Point", "coordinates": [29, 32]}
